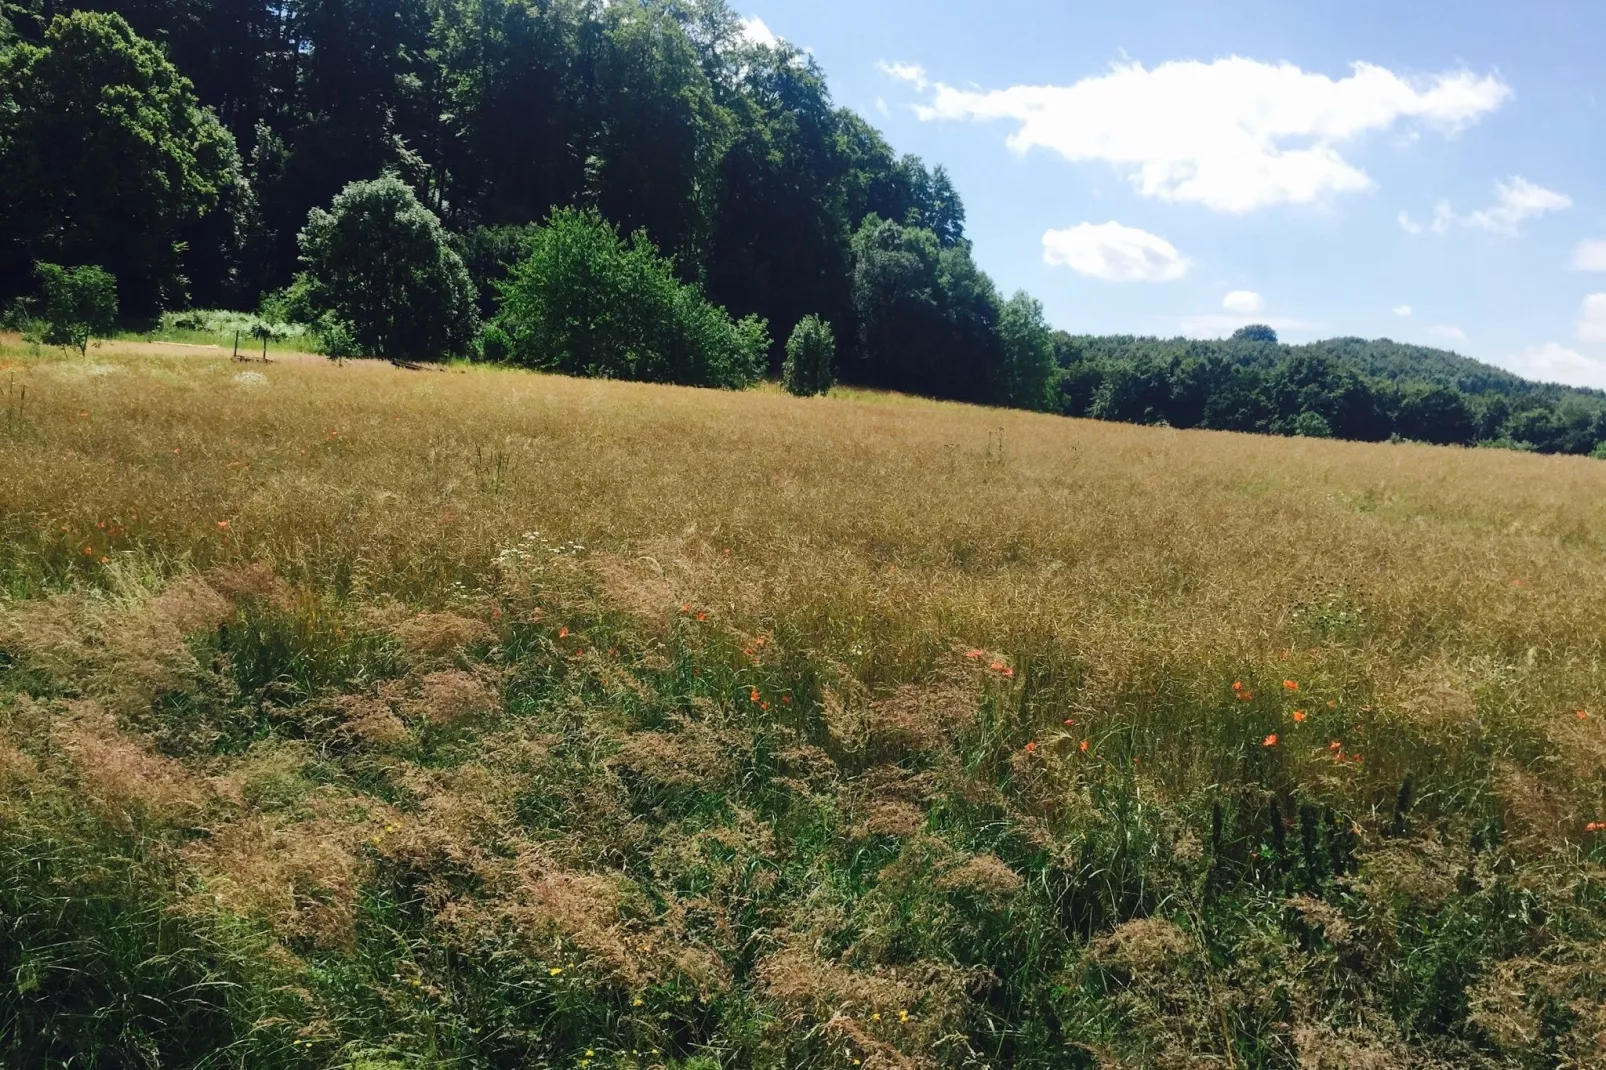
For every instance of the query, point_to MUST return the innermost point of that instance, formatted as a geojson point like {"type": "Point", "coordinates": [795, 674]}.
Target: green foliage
{"type": "Point", "coordinates": [105, 156]}
{"type": "Point", "coordinates": [381, 277]}
{"type": "Point", "coordinates": [1028, 344]}
{"type": "Point", "coordinates": [928, 317]}
{"type": "Point", "coordinates": [1312, 425]}
{"type": "Point", "coordinates": [588, 302]}
{"type": "Point", "coordinates": [1366, 391]}
{"type": "Point", "coordinates": [1255, 332]}
{"type": "Point", "coordinates": [76, 304]}
{"type": "Point", "coordinates": [810, 357]}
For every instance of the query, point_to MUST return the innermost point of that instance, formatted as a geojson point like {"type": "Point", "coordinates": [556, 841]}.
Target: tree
{"type": "Point", "coordinates": [810, 353]}
{"type": "Point", "coordinates": [1255, 332]}
{"type": "Point", "coordinates": [1437, 414]}
{"type": "Point", "coordinates": [927, 316]}
{"type": "Point", "coordinates": [1028, 345]}
{"type": "Point", "coordinates": [77, 303]}
{"type": "Point", "coordinates": [105, 155]}
{"type": "Point", "coordinates": [588, 302]}
{"type": "Point", "coordinates": [379, 264]}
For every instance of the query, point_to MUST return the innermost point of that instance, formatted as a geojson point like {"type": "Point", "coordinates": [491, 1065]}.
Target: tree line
{"type": "Point", "coordinates": [621, 189]}
{"type": "Point", "coordinates": [1351, 388]}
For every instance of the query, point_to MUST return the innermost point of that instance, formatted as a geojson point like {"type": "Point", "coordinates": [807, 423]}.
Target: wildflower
{"type": "Point", "coordinates": [727, 551]}
{"type": "Point", "coordinates": [1031, 748]}
{"type": "Point", "coordinates": [1356, 759]}
{"type": "Point", "coordinates": [105, 560]}
{"type": "Point", "coordinates": [84, 415]}
{"type": "Point", "coordinates": [1583, 715]}
{"type": "Point", "coordinates": [1070, 723]}
{"type": "Point", "coordinates": [752, 696]}
{"type": "Point", "coordinates": [1595, 826]}
{"type": "Point", "coordinates": [764, 706]}
{"type": "Point", "coordinates": [702, 617]}
{"type": "Point", "coordinates": [997, 666]}
{"type": "Point", "coordinates": [636, 1002]}
{"type": "Point", "coordinates": [1237, 685]}
{"type": "Point", "coordinates": [903, 1016]}
{"type": "Point", "coordinates": [1290, 685]}
{"type": "Point", "coordinates": [223, 525]}
{"type": "Point", "coordinates": [563, 633]}
{"type": "Point", "coordinates": [1299, 716]}
{"type": "Point", "coordinates": [1008, 672]}
{"type": "Point", "coordinates": [974, 654]}
{"type": "Point", "coordinates": [1246, 696]}
{"type": "Point", "coordinates": [89, 551]}
{"type": "Point", "coordinates": [1085, 745]}
{"type": "Point", "coordinates": [1335, 746]}
{"type": "Point", "coordinates": [590, 1053]}
{"type": "Point", "coordinates": [1269, 741]}
{"type": "Point", "coordinates": [876, 1017]}
{"type": "Point", "coordinates": [685, 607]}
{"type": "Point", "coordinates": [555, 971]}
{"type": "Point", "coordinates": [786, 700]}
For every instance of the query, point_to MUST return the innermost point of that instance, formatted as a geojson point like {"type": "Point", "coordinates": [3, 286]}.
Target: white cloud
{"type": "Point", "coordinates": [1409, 225]}
{"type": "Point", "coordinates": [1244, 302]}
{"type": "Point", "coordinates": [1115, 253]}
{"type": "Point", "coordinates": [1516, 202]}
{"type": "Point", "coordinates": [1234, 134]}
{"type": "Point", "coordinates": [912, 73]}
{"type": "Point", "coordinates": [1590, 256]}
{"type": "Point", "coordinates": [755, 32]}
{"type": "Point", "coordinates": [1592, 325]}
{"type": "Point", "coordinates": [1446, 333]}
{"type": "Point", "coordinates": [881, 106]}
{"type": "Point", "coordinates": [1555, 363]}
{"type": "Point", "coordinates": [1403, 311]}
{"type": "Point", "coordinates": [1219, 326]}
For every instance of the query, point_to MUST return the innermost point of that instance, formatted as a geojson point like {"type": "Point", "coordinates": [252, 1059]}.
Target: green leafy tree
{"type": "Point", "coordinates": [1028, 343]}
{"type": "Point", "coordinates": [76, 304]}
{"type": "Point", "coordinates": [1255, 332]}
{"type": "Point", "coordinates": [1437, 414]}
{"type": "Point", "coordinates": [810, 354]}
{"type": "Point", "coordinates": [378, 265]}
{"type": "Point", "coordinates": [588, 302]}
{"type": "Point", "coordinates": [105, 156]}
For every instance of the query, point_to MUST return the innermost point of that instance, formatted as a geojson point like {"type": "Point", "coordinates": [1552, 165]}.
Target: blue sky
{"type": "Point", "coordinates": [1432, 172]}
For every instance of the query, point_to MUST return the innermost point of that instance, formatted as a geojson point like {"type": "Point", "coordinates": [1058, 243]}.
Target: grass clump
{"type": "Point", "coordinates": [702, 729]}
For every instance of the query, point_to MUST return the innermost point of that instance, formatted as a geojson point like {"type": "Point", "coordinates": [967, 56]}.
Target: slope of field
{"type": "Point", "coordinates": [357, 717]}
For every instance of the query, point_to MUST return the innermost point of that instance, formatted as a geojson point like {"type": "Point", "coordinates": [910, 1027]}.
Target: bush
{"type": "Point", "coordinates": [381, 278]}
{"type": "Point", "coordinates": [1312, 425]}
{"type": "Point", "coordinates": [587, 302]}
{"type": "Point", "coordinates": [1599, 452]}
{"type": "Point", "coordinates": [809, 355]}
{"type": "Point", "coordinates": [76, 303]}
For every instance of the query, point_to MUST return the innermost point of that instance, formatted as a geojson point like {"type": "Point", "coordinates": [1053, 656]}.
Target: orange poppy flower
{"type": "Point", "coordinates": [752, 696]}
{"type": "Point", "coordinates": [1269, 741]}
{"type": "Point", "coordinates": [1031, 748]}
{"type": "Point", "coordinates": [223, 525]}
{"type": "Point", "coordinates": [1237, 685]}
{"type": "Point", "coordinates": [1085, 745]}
{"type": "Point", "coordinates": [1335, 746]}
{"type": "Point", "coordinates": [1246, 696]}
{"type": "Point", "coordinates": [563, 633]}
{"type": "Point", "coordinates": [1290, 685]}
{"type": "Point", "coordinates": [1595, 826]}
{"type": "Point", "coordinates": [974, 654]}
{"type": "Point", "coordinates": [1008, 672]}
{"type": "Point", "coordinates": [1299, 716]}
{"type": "Point", "coordinates": [702, 617]}
{"type": "Point", "coordinates": [1583, 715]}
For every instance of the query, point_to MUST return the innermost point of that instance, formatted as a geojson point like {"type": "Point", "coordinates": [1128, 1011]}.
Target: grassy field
{"type": "Point", "coordinates": [363, 718]}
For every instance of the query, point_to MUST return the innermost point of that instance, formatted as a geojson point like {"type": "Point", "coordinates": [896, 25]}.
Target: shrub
{"type": "Point", "coordinates": [809, 355]}
{"type": "Point", "coordinates": [587, 302]}
{"type": "Point", "coordinates": [1599, 452]}
{"type": "Point", "coordinates": [76, 303]}
{"type": "Point", "coordinates": [381, 276]}
{"type": "Point", "coordinates": [1312, 425]}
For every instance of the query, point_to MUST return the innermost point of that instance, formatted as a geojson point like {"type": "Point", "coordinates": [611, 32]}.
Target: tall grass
{"type": "Point", "coordinates": [476, 718]}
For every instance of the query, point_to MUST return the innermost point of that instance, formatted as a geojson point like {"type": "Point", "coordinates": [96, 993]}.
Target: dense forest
{"type": "Point", "coordinates": [422, 178]}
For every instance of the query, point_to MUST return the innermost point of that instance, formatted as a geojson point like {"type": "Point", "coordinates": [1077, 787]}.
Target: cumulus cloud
{"type": "Point", "coordinates": [1244, 302]}
{"type": "Point", "coordinates": [1590, 256]}
{"type": "Point", "coordinates": [1516, 202]}
{"type": "Point", "coordinates": [1444, 332]}
{"type": "Point", "coordinates": [1556, 363]}
{"type": "Point", "coordinates": [1592, 319]}
{"type": "Point", "coordinates": [1114, 253]}
{"type": "Point", "coordinates": [1234, 134]}
{"type": "Point", "coordinates": [755, 32]}
{"type": "Point", "coordinates": [912, 73]}
{"type": "Point", "coordinates": [1403, 311]}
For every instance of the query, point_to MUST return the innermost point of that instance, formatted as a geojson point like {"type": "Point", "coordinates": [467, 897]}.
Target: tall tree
{"type": "Point", "coordinates": [105, 157]}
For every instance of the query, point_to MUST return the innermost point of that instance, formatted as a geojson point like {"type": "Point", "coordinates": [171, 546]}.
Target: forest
{"type": "Point", "coordinates": [470, 178]}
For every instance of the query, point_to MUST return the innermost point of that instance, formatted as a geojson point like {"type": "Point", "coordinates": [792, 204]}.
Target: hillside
{"type": "Point", "coordinates": [363, 718]}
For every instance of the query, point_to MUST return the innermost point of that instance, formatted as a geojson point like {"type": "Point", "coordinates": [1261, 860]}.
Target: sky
{"type": "Point", "coordinates": [1432, 172]}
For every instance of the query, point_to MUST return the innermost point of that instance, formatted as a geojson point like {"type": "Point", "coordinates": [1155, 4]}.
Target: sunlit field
{"type": "Point", "coordinates": [362, 717]}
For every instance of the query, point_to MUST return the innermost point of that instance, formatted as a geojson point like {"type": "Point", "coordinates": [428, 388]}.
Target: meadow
{"type": "Point", "coordinates": [358, 717]}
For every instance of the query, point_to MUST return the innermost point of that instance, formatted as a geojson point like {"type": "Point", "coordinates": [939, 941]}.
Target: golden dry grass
{"type": "Point", "coordinates": [1095, 591]}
